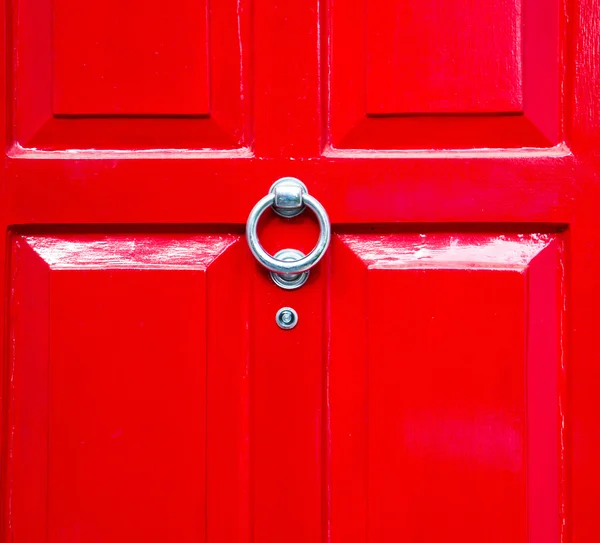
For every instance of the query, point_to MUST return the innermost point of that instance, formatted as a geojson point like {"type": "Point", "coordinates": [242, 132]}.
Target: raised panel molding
{"type": "Point", "coordinates": [444, 75]}
{"type": "Point", "coordinates": [132, 76]}
{"type": "Point", "coordinates": [454, 56]}
{"type": "Point", "coordinates": [443, 375]}
{"type": "Point", "coordinates": [124, 403]}
{"type": "Point", "coordinates": [133, 59]}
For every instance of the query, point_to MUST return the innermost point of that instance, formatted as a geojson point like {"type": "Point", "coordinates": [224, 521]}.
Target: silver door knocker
{"type": "Point", "coordinates": [288, 197]}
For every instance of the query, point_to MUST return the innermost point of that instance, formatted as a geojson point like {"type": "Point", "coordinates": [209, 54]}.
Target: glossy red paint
{"type": "Point", "coordinates": [450, 75]}
{"type": "Point", "coordinates": [84, 78]}
{"type": "Point", "coordinates": [162, 69]}
{"type": "Point", "coordinates": [442, 382]}
{"type": "Point", "coordinates": [443, 399]}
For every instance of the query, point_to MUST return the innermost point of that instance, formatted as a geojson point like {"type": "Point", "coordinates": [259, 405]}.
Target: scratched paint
{"type": "Point", "coordinates": [128, 251]}
{"type": "Point", "coordinates": [447, 250]}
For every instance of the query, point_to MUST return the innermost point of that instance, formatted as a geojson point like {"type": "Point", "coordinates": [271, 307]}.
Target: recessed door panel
{"type": "Point", "coordinates": [134, 61]}
{"type": "Point", "coordinates": [444, 388]}
{"type": "Point", "coordinates": [444, 75]}
{"type": "Point", "coordinates": [469, 57]}
{"type": "Point", "coordinates": [105, 75]}
{"type": "Point", "coordinates": [109, 401]}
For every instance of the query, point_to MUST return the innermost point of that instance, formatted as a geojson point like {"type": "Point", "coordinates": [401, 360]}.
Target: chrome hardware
{"type": "Point", "coordinates": [288, 192]}
{"type": "Point", "coordinates": [289, 281]}
{"type": "Point", "coordinates": [289, 197]}
{"type": "Point", "coordinates": [286, 318]}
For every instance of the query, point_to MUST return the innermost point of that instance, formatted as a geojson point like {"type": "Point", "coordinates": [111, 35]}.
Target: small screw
{"type": "Point", "coordinates": [286, 318]}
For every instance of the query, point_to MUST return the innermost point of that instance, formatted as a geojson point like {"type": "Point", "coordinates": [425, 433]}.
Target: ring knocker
{"type": "Point", "coordinates": [288, 197]}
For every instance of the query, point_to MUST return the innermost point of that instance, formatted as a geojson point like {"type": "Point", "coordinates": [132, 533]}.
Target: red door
{"type": "Point", "coordinates": [442, 382]}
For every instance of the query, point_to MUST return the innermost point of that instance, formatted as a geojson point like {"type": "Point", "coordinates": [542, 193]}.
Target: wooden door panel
{"type": "Point", "coordinates": [104, 76]}
{"type": "Point", "coordinates": [444, 388]}
{"type": "Point", "coordinates": [449, 75]}
{"type": "Point", "coordinates": [469, 57]}
{"type": "Point", "coordinates": [112, 353]}
{"type": "Point", "coordinates": [98, 70]}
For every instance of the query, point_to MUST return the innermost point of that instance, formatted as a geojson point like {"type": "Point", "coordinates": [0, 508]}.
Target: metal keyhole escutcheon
{"type": "Point", "coordinates": [288, 197]}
